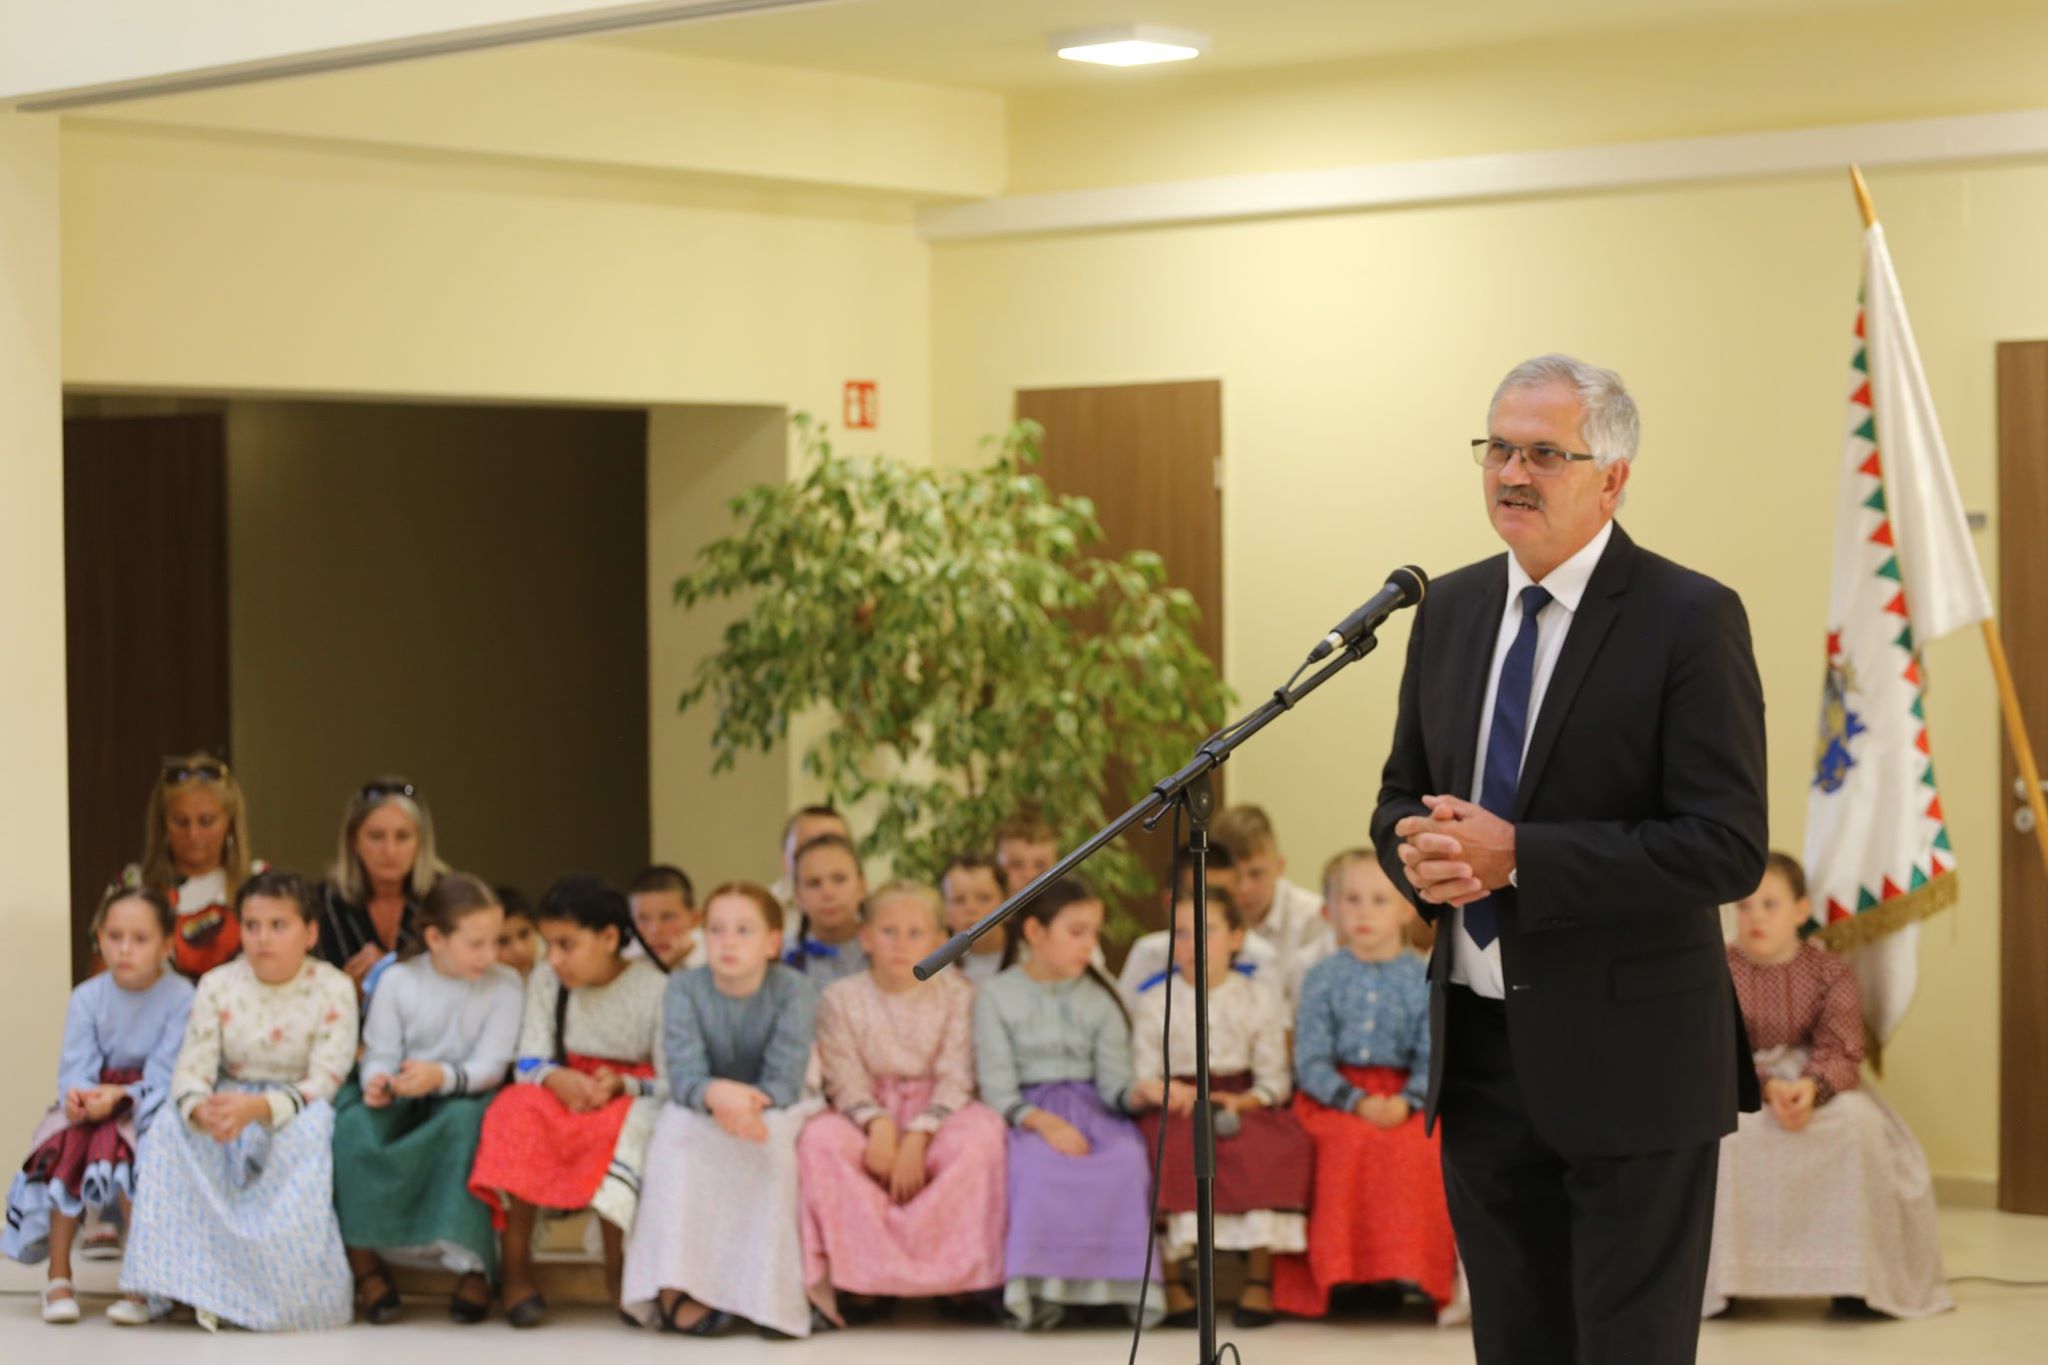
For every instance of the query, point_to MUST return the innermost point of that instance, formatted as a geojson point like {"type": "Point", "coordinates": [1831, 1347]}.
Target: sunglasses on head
{"type": "Point", "coordinates": [383, 791]}
{"type": "Point", "coordinates": [206, 770]}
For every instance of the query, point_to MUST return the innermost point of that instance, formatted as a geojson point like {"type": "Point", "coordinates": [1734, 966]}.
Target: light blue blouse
{"type": "Point", "coordinates": [1357, 1013]}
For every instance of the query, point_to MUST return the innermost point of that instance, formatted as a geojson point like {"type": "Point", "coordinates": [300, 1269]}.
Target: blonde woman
{"type": "Point", "coordinates": [195, 852]}
{"type": "Point", "coordinates": [370, 902]}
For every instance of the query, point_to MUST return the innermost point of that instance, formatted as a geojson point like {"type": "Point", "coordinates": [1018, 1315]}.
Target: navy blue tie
{"type": "Point", "coordinates": [1504, 743]}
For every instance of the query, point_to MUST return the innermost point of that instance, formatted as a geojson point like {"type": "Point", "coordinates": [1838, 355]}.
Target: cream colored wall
{"type": "Point", "coordinates": [1899, 61]}
{"type": "Point", "coordinates": [35, 894]}
{"type": "Point", "coordinates": [722, 826]}
{"type": "Point", "coordinates": [1356, 354]}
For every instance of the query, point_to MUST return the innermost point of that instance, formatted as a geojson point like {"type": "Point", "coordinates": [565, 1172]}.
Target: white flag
{"type": "Point", "coordinates": [1878, 855]}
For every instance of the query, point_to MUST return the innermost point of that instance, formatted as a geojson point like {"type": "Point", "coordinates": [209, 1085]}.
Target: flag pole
{"type": "Point", "coordinates": [1994, 644]}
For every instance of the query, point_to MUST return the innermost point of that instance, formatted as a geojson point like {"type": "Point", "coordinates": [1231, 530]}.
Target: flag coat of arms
{"type": "Point", "coordinates": [1879, 858]}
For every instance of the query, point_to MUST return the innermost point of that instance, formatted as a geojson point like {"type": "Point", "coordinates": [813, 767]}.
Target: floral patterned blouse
{"type": "Point", "coordinates": [299, 1038]}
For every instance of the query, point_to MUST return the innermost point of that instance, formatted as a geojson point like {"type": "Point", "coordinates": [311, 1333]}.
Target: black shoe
{"type": "Point", "coordinates": [715, 1323]}
{"type": "Point", "coordinates": [384, 1308]}
{"type": "Point", "coordinates": [530, 1311]}
{"type": "Point", "coordinates": [1849, 1306]}
{"type": "Point", "coordinates": [468, 1312]}
{"type": "Point", "coordinates": [1248, 1318]}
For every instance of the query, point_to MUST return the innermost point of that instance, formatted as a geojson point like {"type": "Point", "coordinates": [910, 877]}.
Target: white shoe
{"type": "Point", "coordinates": [128, 1313]}
{"type": "Point", "coordinates": [62, 1311]}
{"type": "Point", "coordinates": [207, 1320]}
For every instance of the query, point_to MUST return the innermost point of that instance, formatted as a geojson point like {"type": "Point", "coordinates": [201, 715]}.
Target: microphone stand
{"type": "Point", "coordinates": [1192, 789]}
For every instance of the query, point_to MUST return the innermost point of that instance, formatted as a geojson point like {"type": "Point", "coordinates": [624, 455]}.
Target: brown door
{"type": "Point", "coordinates": [2023, 617]}
{"type": "Point", "coordinates": [145, 615]}
{"type": "Point", "coordinates": [1148, 455]}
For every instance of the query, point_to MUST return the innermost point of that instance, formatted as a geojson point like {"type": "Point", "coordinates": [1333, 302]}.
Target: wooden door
{"type": "Point", "coordinates": [1149, 455]}
{"type": "Point", "coordinates": [2023, 617]}
{"type": "Point", "coordinates": [146, 634]}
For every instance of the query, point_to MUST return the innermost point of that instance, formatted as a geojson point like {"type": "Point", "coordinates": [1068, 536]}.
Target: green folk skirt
{"type": "Point", "coordinates": [401, 1180]}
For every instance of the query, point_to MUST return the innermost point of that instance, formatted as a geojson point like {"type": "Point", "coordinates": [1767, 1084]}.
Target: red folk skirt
{"type": "Point", "coordinates": [534, 1149]}
{"type": "Point", "coordinates": [1269, 1164]}
{"type": "Point", "coordinates": [1378, 1215]}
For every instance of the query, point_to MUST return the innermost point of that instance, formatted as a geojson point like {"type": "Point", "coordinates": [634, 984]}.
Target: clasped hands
{"type": "Point", "coordinates": [1458, 853]}
{"type": "Point", "coordinates": [896, 1160]}
{"type": "Point", "coordinates": [413, 1080]}
{"type": "Point", "coordinates": [1178, 1098]}
{"type": "Point", "coordinates": [582, 1093]}
{"type": "Point", "coordinates": [94, 1103]}
{"type": "Point", "coordinates": [737, 1107]}
{"type": "Point", "coordinates": [224, 1114]}
{"type": "Point", "coordinates": [1791, 1102]}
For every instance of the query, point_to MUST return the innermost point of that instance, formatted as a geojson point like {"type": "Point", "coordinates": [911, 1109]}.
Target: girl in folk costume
{"type": "Point", "coordinates": [195, 853]}
{"type": "Point", "coordinates": [440, 1036]}
{"type": "Point", "coordinates": [572, 1133]}
{"type": "Point", "coordinates": [234, 1203]}
{"type": "Point", "coordinates": [1265, 1161]}
{"type": "Point", "coordinates": [830, 886]}
{"type": "Point", "coordinates": [121, 1037]}
{"type": "Point", "coordinates": [718, 1241]}
{"type": "Point", "coordinates": [370, 902]}
{"type": "Point", "coordinates": [1053, 1050]}
{"type": "Point", "coordinates": [1361, 1060]}
{"type": "Point", "coordinates": [903, 1181]}
{"type": "Point", "coordinates": [974, 885]}
{"type": "Point", "coordinates": [1825, 1193]}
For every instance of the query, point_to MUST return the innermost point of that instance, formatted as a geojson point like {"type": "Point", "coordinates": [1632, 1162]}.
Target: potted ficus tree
{"type": "Point", "coordinates": [976, 658]}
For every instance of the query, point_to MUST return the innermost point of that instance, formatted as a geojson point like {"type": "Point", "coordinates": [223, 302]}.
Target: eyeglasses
{"type": "Point", "coordinates": [176, 770]}
{"type": "Point", "coordinates": [1544, 461]}
{"type": "Point", "coordinates": [381, 791]}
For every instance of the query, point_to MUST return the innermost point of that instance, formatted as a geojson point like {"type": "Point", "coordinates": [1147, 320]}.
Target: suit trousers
{"type": "Point", "coordinates": [1599, 1261]}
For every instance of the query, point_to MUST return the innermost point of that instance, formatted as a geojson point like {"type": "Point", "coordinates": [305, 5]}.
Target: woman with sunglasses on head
{"type": "Point", "coordinates": [370, 902]}
{"type": "Point", "coordinates": [195, 852]}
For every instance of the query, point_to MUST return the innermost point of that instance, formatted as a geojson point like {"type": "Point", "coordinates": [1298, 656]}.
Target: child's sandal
{"type": "Point", "coordinates": [376, 1308]}
{"type": "Point", "coordinates": [60, 1312]}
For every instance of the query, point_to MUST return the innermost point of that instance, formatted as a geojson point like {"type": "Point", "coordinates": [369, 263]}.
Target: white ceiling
{"type": "Point", "coordinates": [1001, 44]}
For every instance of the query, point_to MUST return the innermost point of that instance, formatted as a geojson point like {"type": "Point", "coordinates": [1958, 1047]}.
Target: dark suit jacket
{"type": "Point", "coordinates": [1641, 810]}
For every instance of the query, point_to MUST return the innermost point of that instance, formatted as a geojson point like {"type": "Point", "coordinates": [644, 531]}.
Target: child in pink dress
{"type": "Point", "coordinates": [903, 1180]}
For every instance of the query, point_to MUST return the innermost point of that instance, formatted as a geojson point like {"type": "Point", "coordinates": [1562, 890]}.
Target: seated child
{"type": "Point", "coordinates": [572, 1133]}
{"type": "Point", "coordinates": [974, 885]}
{"type": "Point", "coordinates": [1825, 1193]}
{"type": "Point", "coordinates": [518, 935]}
{"type": "Point", "coordinates": [1053, 1050]}
{"type": "Point", "coordinates": [666, 916]}
{"type": "Point", "coordinates": [122, 1031]}
{"type": "Point", "coordinates": [1026, 848]}
{"type": "Point", "coordinates": [1361, 1059]}
{"type": "Point", "coordinates": [440, 1036]}
{"type": "Point", "coordinates": [903, 1180]}
{"type": "Point", "coordinates": [234, 1202]}
{"type": "Point", "coordinates": [804, 824]}
{"type": "Point", "coordinates": [1265, 1161]}
{"type": "Point", "coordinates": [1282, 913]}
{"type": "Point", "coordinates": [824, 944]}
{"type": "Point", "coordinates": [1150, 961]}
{"type": "Point", "coordinates": [718, 1239]}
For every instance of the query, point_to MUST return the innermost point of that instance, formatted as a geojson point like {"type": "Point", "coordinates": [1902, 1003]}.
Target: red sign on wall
{"type": "Point", "coordinates": [863, 405]}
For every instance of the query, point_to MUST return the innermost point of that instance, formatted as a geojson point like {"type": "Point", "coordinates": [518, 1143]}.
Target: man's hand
{"type": "Point", "coordinates": [907, 1179]}
{"type": "Point", "coordinates": [1456, 854]}
{"type": "Point", "coordinates": [737, 1107]}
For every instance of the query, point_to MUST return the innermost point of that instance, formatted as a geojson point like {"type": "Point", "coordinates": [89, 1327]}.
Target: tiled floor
{"type": "Point", "coordinates": [1993, 1324]}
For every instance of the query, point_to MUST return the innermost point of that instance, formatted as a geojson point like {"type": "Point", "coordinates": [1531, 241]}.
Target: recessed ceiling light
{"type": "Point", "coordinates": [1130, 45]}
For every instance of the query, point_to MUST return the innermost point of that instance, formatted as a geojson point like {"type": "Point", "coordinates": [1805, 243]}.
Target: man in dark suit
{"type": "Point", "coordinates": [1576, 785]}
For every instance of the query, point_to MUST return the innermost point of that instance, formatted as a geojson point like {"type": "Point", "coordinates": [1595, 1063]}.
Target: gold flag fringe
{"type": "Point", "coordinates": [1887, 918]}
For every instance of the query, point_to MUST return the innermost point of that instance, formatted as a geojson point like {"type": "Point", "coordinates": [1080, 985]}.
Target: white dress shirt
{"type": "Point", "coordinates": [1472, 965]}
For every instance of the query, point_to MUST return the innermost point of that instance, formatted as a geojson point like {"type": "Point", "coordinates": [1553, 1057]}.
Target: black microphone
{"type": "Point", "coordinates": [1405, 587]}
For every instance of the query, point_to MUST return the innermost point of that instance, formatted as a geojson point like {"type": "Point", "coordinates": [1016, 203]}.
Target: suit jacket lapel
{"type": "Point", "coordinates": [1472, 654]}
{"type": "Point", "coordinates": [1590, 624]}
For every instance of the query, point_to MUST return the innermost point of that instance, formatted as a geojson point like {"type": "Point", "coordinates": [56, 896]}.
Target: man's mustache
{"type": "Point", "coordinates": [1519, 497]}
